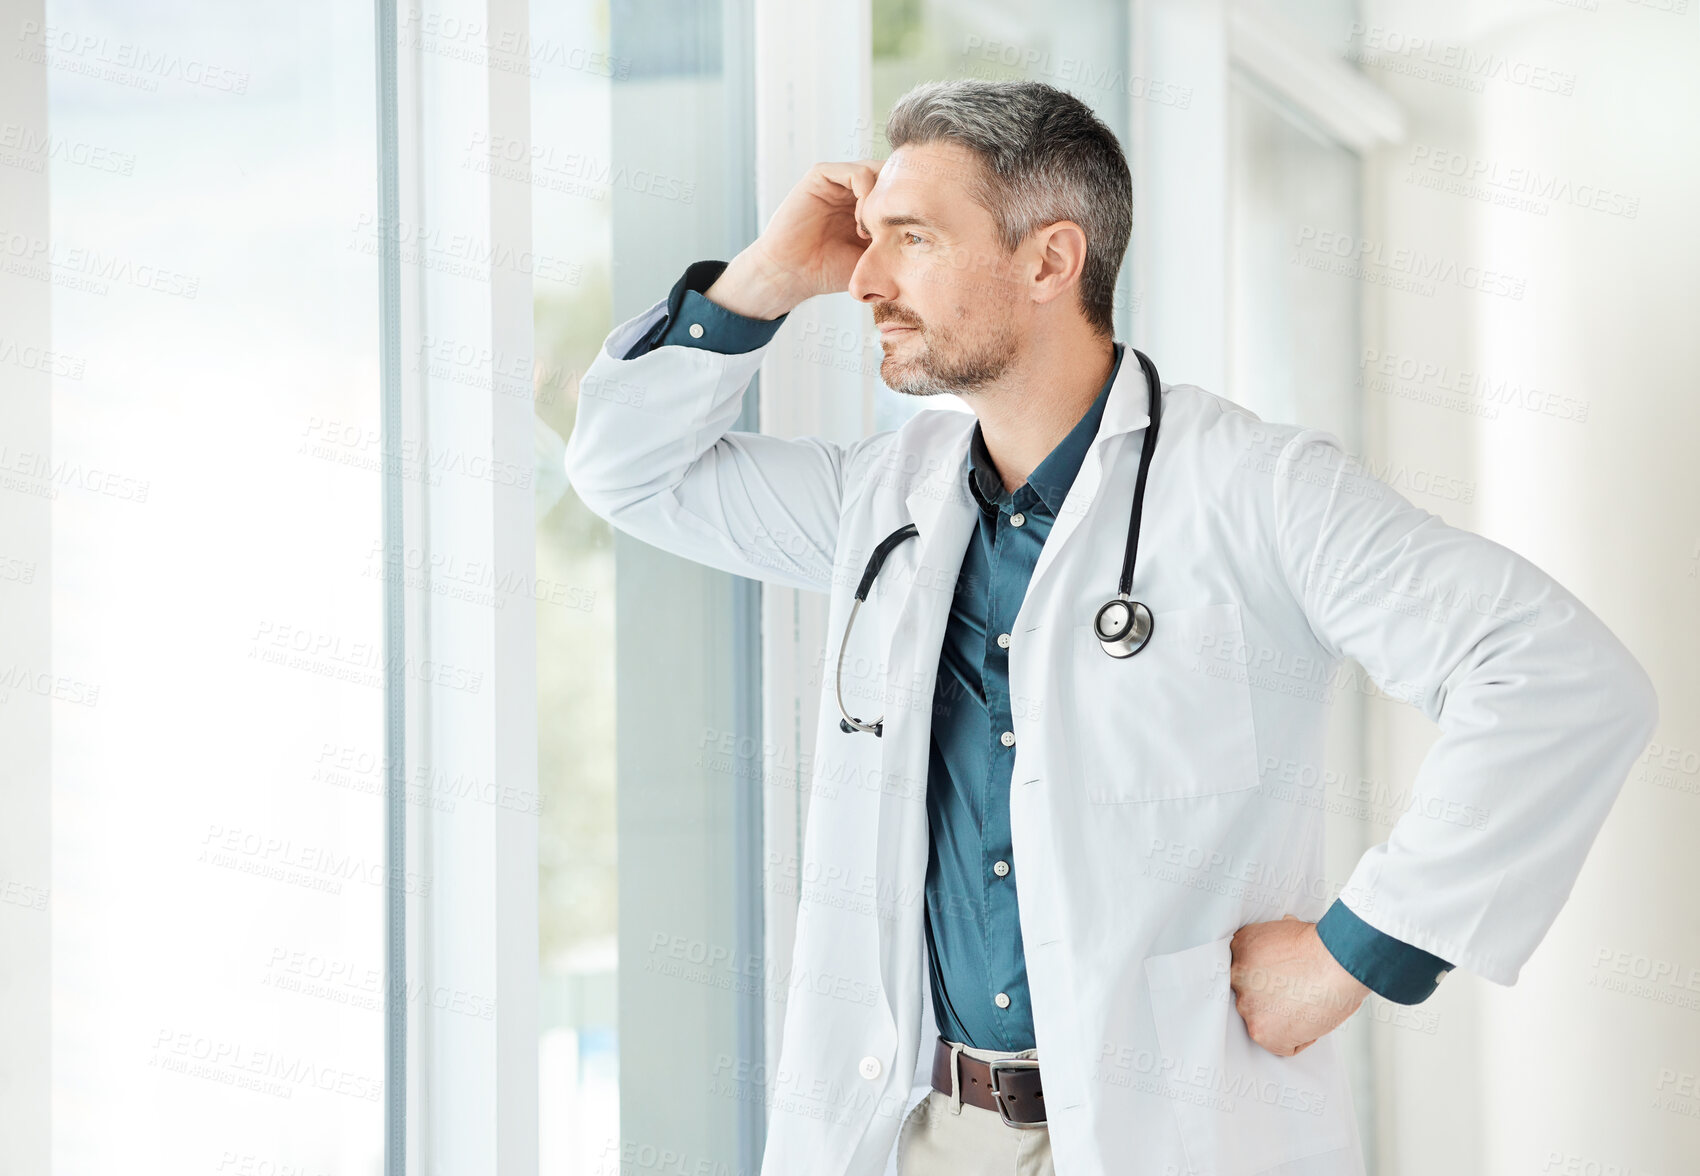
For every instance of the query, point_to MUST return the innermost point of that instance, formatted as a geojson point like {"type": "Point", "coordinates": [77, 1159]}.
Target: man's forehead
{"type": "Point", "coordinates": [938, 163]}
{"type": "Point", "coordinates": [917, 185]}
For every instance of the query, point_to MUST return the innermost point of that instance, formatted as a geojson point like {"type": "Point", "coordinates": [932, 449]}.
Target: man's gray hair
{"type": "Point", "coordinates": [1046, 157]}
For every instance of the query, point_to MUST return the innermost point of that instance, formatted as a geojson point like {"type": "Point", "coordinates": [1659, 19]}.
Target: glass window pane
{"type": "Point", "coordinates": [641, 121]}
{"type": "Point", "coordinates": [572, 192]}
{"type": "Point", "coordinates": [218, 854]}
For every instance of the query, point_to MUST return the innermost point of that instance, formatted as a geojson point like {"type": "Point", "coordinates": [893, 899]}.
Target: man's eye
{"type": "Point", "coordinates": [911, 235]}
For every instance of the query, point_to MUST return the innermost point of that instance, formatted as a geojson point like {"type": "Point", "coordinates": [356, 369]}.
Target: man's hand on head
{"type": "Point", "coordinates": [810, 246]}
{"type": "Point", "coordinates": [1287, 987]}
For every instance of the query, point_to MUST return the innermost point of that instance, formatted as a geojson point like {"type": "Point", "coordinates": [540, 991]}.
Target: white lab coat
{"type": "Point", "coordinates": [1157, 803]}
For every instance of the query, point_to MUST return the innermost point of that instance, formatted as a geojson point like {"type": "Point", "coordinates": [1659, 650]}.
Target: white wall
{"type": "Point", "coordinates": [1582, 1066]}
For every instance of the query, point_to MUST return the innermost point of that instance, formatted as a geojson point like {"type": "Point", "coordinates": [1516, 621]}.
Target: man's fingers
{"type": "Point", "coordinates": [858, 176]}
{"type": "Point", "coordinates": [862, 178]}
{"type": "Point", "coordinates": [850, 182]}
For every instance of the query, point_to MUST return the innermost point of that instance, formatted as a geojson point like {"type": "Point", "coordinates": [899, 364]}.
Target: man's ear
{"type": "Point", "coordinates": [1062, 251]}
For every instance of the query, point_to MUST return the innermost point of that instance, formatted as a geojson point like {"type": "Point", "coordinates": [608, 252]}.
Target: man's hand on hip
{"type": "Point", "coordinates": [1289, 990]}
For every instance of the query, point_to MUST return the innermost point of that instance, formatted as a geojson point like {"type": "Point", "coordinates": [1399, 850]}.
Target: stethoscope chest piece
{"type": "Point", "coordinates": [1122, 626]}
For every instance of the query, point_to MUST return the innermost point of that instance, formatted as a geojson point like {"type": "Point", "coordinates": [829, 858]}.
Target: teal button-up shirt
{"type": "Point", "coordinates": [979, 974]}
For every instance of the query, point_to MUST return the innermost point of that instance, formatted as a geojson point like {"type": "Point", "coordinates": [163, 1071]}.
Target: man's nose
{"type": "Point", "coordinates": [869, 281]}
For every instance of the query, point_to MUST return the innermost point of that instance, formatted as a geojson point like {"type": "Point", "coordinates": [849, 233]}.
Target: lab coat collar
{"type": "Point", "coordinates": [942, 495]}
{"type": "Point", "coordinates": [1130, 402]}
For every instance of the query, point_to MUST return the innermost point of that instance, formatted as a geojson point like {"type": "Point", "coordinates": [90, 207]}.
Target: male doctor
{"type": "Point", "coordinates": [1105, 873]}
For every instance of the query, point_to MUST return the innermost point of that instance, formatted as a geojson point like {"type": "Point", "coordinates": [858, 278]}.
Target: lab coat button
{"type": "Point", "coordinates": [1000, 868]}
{"type": "Point", "coordinates": [696, 330]}
{"type": "Point", "coordinates": [870, 1067]}
{"type": "Point", "coordinates": [1007, 739]}
{"type": "Point", "coordinates": [1016, 519]}
{"type": "Point", "coordinates": [1001, 1000]}
{"type": "Point", "coordinates": [1003, 640]}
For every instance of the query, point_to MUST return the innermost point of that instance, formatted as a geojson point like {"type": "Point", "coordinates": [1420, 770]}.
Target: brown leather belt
{"type": "Point", "coordinates": [1009, 1086]}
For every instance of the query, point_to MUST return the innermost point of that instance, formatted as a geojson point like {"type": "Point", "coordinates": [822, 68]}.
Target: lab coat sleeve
{"type": "Point", "coordinates": [1541, 709]}
{"type": "Point", "coordinates": [651, 452]}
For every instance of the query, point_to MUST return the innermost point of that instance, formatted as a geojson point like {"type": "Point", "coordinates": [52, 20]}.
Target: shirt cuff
{"type": "Point", "coordinates": [1390, 967]}
{"type": "Point", "coordinates": [692, 320]}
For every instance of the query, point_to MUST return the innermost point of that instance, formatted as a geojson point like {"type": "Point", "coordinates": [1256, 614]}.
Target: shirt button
{"type": "Point", "coordinates": [1007, 739]}
{"type": "Point", "coordinates": [1016, 519]}
{"type": "Point", "coordinates": [1003, 640]}
{"type": "Point", "coordinates": [1001, 1000]}
{"type": "Point", "coordinates": [1441, 975]}
{"type": "Point", "coordinates": [696, 330]}
{"type": "Point", "coordinates": [1000, 868]}
{"type": "Point", "coordinates": [870, 1067]}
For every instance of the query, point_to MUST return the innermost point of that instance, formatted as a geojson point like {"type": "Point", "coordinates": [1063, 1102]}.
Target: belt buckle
{"type": "Point", "coordinates": [997, 1064]}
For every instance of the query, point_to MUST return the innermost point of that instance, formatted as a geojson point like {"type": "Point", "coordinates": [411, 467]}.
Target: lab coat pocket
{"type": "Point", "coordinates": [1174, 720]}
{"type": "Point", "coordinates": [1241, 1109]}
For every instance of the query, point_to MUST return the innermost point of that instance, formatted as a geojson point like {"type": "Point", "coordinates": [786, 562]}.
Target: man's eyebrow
{"type": "Point", "coordinates": [900, 218]}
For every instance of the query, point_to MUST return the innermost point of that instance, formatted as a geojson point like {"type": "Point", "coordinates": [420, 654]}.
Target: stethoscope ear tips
{"type": "Point", "coordinates": [844, 726]}
{"type": "Point", "coordinates": [1122, 626]}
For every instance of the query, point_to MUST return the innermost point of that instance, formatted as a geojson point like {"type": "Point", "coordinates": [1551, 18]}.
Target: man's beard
{"type": "Point", "coordinates": [945, 366]}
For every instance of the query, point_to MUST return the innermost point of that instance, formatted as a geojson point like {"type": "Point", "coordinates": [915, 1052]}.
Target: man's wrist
{"type": "Point", "coordinates": [1345, 983]}
{"type": "Point", "coordinates": [748, 288]}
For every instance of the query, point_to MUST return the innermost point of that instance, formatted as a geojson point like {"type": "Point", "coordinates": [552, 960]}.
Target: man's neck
{"type": "Point", "coordinates": [1034, 408]}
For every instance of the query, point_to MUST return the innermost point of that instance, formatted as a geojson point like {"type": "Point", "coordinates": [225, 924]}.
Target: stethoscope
{"type": "Point", "coordinates": [1121, 624]}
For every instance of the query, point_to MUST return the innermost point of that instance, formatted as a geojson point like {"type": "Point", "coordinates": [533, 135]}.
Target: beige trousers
{"type": "Point", "coordinates": [943, 1136]}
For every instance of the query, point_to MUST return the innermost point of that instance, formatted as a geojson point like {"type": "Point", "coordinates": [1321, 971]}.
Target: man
{"type": "Point", "coordinates": [1151, 1002]}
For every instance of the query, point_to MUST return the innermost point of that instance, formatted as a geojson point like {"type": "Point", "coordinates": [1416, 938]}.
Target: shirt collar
{"type": "Point", "coordinates": [1053, 477]}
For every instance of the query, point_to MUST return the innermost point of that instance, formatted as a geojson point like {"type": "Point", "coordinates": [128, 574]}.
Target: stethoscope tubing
{"type": "Point", "coordinates": [1132, 629]}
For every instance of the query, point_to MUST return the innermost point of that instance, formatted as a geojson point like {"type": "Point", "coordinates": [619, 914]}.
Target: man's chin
{"type": "Point", "coordinates": [892, 371]}
{"type": "Point", "coordinates": [914, 389]}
